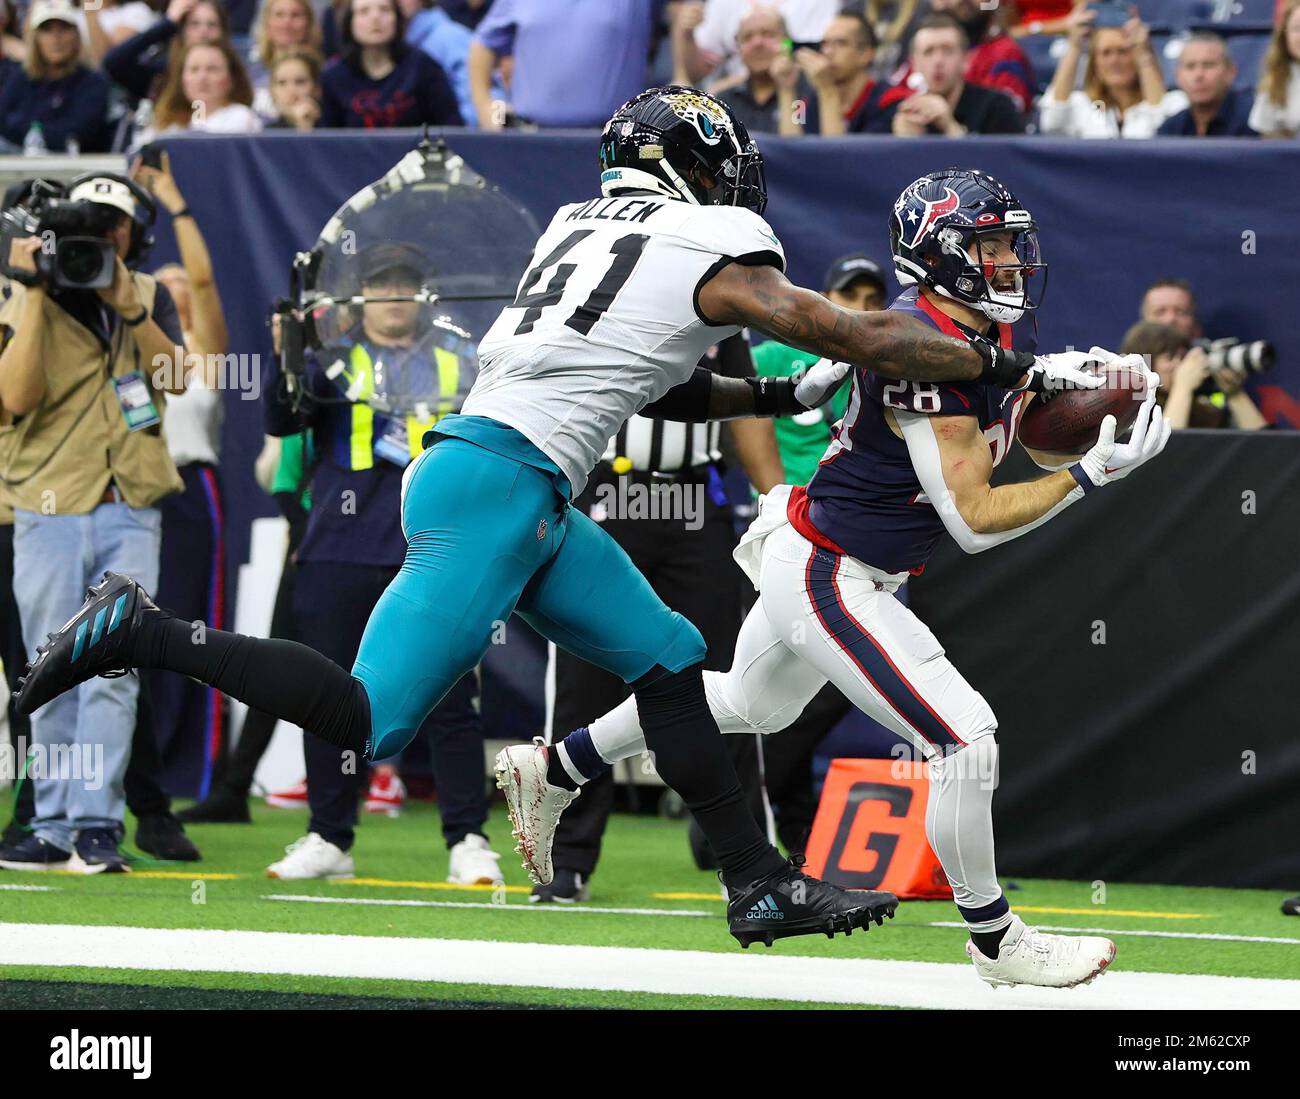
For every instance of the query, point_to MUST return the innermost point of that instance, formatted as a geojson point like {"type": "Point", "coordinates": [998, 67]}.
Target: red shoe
{"type": "Point", "coordinates": [386, 793]}
{"type": "Point", "coordinates": [292, 797]}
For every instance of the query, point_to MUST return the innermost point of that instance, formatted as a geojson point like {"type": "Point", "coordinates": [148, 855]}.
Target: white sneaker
{"type": "Point", "coordinates": [473, 862]}
{"type": "Point", "coordinates": [1028, 956]}
{"type": "Point", "coordinates": [535, 805]}
{"type": "Point", "coordinates": [312, 857]}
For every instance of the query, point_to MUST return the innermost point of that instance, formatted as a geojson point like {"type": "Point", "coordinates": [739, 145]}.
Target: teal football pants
{"type": "Point", "coordinates": [488, 536]}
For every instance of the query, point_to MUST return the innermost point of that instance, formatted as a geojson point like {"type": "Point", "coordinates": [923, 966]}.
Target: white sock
{"type": "Point", "coordinates": [959, 826]}
{"type": "Point", "coordinates": [618, 734]}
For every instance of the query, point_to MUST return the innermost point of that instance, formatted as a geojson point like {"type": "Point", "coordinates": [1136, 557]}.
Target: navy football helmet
{"type": "Point", "coordinates": [935, 235]}
{"type": "Point", "coordinates": [667, 139]}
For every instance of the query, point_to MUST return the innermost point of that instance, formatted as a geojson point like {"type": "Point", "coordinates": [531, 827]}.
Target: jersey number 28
{"type": "Point", "coordinates": [626, 251]}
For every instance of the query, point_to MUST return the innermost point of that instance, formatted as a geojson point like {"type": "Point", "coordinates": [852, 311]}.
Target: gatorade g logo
{"type": "Point", "coordinates": [864, 864]}
{"type": "Point", "coordinates": [870, 831]}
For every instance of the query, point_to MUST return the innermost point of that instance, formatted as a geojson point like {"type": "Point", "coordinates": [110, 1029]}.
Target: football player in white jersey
{"type": "Point", "coordinates": [623, 295]}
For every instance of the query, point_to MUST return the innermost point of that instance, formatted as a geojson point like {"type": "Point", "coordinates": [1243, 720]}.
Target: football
{"type": "Point", "coordinates": [1068, 421]}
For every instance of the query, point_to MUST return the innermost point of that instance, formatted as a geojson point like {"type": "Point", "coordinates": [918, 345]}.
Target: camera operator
{"type": "Point", "coordinates": [393, 353]}
{"type": "Point", "coordinates": [1194, 392]}
{"type": "Point", "coordinates": [1219, 369]}
{"type": "Point", "coordinates": [84, 462]}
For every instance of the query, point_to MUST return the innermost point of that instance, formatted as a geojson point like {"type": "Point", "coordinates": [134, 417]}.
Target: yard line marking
{"type": "Point", "coordinates": [687, 896]}
{"type": "Point", "coordinates": [621, 969]}
{"type": "Point", "coordinates": [385, 882]}
{"type": "Point", "coordinates": [1019, 908]}
{"type": "Point", "coordinates": [1218, 937]}
{"type": "Point", "coordinates": [481, 904]}
{"type": "Point", "coordinates": [1101, 908]}
{"type": "Point", "coordinates": [182, 875]}
{"type": "Point", "coordinates": [29, 888]}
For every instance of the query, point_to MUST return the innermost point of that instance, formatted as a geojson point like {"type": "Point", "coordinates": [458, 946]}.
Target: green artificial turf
{"type": "Point", "coordinates": [643, 858]}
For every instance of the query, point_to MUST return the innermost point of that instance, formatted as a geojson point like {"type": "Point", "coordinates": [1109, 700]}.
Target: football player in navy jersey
{"type": "Point", "coordinates": [910, 461]}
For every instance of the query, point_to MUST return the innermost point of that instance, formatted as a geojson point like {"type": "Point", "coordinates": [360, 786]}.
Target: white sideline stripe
{"type": "Point", "coordinates": [1149, 934]}
{"type": "Point", "coordinates": [525, 907]}
{"type": "Point", "coordinates": [621, 969]}
{"type": "Point", "coordinates": [29, 888]}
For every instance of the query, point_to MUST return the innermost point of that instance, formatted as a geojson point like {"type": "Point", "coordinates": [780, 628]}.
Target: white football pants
{"type": "Point", "coordinates": [822, 616]}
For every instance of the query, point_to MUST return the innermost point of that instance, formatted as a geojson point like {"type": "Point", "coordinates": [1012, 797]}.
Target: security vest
{"type": "Point", "coordinates": [356, 377]}
{"type": "Point", "coordinates": [60, 457]}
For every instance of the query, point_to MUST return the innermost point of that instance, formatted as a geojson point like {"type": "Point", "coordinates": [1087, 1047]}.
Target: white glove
{"type": "Point", "coordinates": [1107, 461]}
{"type": "Point", "coordinates": [1065, 370]}
{"type": "Point", "coordinates": [819, 382]}
{"type": "Point", "coordinates": [1136, 362]}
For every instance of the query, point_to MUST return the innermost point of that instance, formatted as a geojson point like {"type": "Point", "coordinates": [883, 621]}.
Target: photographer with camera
{"type": "Point", "coordinates": [1207, 376]}
{"type": "Point", "coordinates": [1196, 389]}
{"type": "Point", "coordinates": [84, 463]}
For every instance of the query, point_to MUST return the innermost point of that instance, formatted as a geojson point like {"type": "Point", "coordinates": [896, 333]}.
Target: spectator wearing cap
{"type": "Point", "coordinates": [1123, 92]}
{"type": "Point", "coordinates": [207, 91]}
{"type": "Point", "coordinates": [848, 99]}
{"type": "Point", "coordinates": [994, 59]}
{"type": "Point", "coordinates": [56, 100]}
{"type": "Point", "coordinates": [83, 460]}
{"type": "Point", "coordinates": [764, 96]}
{"type": "Point", "coordinates": [371, 395]}
{"type": "Point", "coordinates": [378, 81]}
{"type": "Point", "coordinates": [1206, 73]}
{"type": "Point", "coordinates": [142, 63]}
{"type": "Point", "coordinates": [944, 101]}
{"type": "Point", "coordinates": [1277, 103]}
{"type": "Point", "coordinates": [575, 62]}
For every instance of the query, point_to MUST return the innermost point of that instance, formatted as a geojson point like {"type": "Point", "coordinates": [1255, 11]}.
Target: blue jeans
{"type": "Point", "coordinates": [82, 739]}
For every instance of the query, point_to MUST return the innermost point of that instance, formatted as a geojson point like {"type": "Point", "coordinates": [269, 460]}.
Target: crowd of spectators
{"type": "Point", "coordinates": [112, 74]}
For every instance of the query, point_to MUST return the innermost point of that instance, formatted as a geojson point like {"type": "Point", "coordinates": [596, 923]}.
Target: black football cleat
{"type": "Point", "coordinates": [95, 641]}
{"type": "Point", "coordinates": [789, 902]}
{"type": "Point", "coordinates": [1291, 906]}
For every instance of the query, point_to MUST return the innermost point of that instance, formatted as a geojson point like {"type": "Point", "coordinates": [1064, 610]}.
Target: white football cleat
{"type": "Point", "coordinates": [473, 862]}
{"type": "Point", "coordinates": [534, 804]}
{"type": "Point", "coordinates": [1028, 956]}
{"type": "Point", "coordinates": [311, 857]}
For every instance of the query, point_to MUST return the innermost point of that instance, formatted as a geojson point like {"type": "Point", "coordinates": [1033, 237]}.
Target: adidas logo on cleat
{"type": "Point", "coordinates": [766, 909]}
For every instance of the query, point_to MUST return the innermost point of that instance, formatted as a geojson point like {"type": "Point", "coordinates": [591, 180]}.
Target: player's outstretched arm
{"type": "Point", "coordinates": [891, 344]}
{"type": "Point", "coordinates": [952, 461]}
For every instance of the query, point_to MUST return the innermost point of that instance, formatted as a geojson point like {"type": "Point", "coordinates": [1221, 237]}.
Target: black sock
{"type": "Point", "coordinates": [283, 678]}
{"type": "Point", "coordinates": [691, 758]}
{"type": "Point", "coordinates": [987, 942]}
{"type": "Point", "coordinates": [556, 775]}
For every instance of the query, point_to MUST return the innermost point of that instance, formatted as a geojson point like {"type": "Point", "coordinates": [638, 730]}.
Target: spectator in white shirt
{"type": "Point", "coordinates": [704, 31]}
{"type": "Point", "coordinates": [1124, 92]}
{"type": "Point", "coordinates": [1276, 112]}
{"type": "Point", "coordinates": [209, 92]}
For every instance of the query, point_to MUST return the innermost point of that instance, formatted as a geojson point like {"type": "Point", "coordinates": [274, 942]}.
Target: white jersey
{"type": "Point", "coordinates": [605, 320]}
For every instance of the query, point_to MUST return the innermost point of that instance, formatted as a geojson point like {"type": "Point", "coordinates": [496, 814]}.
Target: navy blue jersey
{"type": "Point", "coordinates": [865, 499]}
